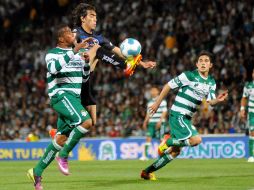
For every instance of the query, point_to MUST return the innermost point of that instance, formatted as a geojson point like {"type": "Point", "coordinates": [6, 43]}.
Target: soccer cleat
{"type": "Point", "coordinates": [250, 159]}
{"type": "Point", "coordinates": [63, 165]}
{"type": "Point", "coordinates": [36, 179]}
{"type": "Point", "coordinates": [147, 176]}
{"type": "Point", "coordinates": [163, 146]}
{"type": "Point", "coordinates": [131, 64]}
{"type": "Point", "coordinates": [52, 133]}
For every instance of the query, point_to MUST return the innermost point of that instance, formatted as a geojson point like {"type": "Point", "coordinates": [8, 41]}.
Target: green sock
{"type": "Point", "coordinates": [73, 139]}
{"type": "Point", "coordinates": [146, 149]}
{"type": "Point", "coordinates": [175, 142]}
{"type": "Point", "coordinates": [251, 146]}
{"type": "Point", "coordinates": [47, 158]}
{"type": "Point", "coordinates": [159, 163]}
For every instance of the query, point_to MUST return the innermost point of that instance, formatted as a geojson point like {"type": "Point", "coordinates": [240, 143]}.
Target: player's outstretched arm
{"type": "Point", "coordinates": [153, 108]}
{"type": "Point", "coordinates": [147, 64]}
{"type": "Point", "coordinates": [221, 98]}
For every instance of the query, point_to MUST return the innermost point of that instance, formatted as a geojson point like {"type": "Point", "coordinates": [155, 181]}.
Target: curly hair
{"type": "Point", "coordinates": [80, 11]}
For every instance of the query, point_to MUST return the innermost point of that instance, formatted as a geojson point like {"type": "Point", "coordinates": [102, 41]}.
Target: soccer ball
{"type": "Point", "coordinates": [130, 47]}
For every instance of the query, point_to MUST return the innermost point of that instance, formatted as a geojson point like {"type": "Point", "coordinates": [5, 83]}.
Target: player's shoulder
{"type": "Point", "coordinates": [211, 80]}
{"type": "Point", "coordinates": [249, 84]}
{"type": "Point", "coordinates": [53, 50]}
{"type": "Point", "coordinates": [82, 32]}
{"type": "Point", "coordinates": [57, 50]}
{"type": "Point", "coordinates": [190, 75]}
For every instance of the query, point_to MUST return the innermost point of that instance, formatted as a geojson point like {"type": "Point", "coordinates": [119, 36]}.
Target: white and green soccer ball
{"type": "Point", "coordinates": [130, 47]}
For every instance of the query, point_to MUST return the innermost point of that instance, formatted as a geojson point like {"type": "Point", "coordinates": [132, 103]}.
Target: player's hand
{"type": "Point", "coordinates": [243, 114]}
{"type": "Point", "coordinates": [153, 108]}
{"type": "Point", "coordinates": [83, 44]}
{"type": "Point", "coordinates": [85, 57]}
{"type": "Point", "coordinates": [148, 64]}
{"type": "Point", "coordinates": [222, 97]}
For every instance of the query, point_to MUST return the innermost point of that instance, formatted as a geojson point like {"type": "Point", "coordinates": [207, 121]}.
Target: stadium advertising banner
{"type": "Point", "coordinates": [127, 148]}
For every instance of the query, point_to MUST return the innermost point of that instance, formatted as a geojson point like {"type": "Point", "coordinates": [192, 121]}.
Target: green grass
{"type": "Point", "coordinates": [222, 174]}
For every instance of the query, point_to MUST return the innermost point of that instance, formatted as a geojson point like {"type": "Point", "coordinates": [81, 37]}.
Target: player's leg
{"type": "Point", "coordinates": [151, 132]}
{"type": "Point", "coordinates": [92, 111]}
{"type": "Point", "coordinates": [128, 65]}
{"type": "Point", "coordinates": [146, 148]}
{"type": "Point", "coordinates": [185, 134]}
{"type": "Point", "coordinates": [35, 173]}
{"type": "Point", "coordinates": [160, 162]}
{"type": "Point", "coordinates": [81, 121]}
{"type": "Point", "coordinates": [87, 98]}
{"type": "Point", "coordinates": [251, 138]}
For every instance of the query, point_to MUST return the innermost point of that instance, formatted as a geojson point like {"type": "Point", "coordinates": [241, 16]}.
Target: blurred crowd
{"type": "Point", "coordinates": [171, 32]}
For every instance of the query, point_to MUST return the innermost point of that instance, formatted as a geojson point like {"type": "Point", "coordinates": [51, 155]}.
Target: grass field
{"type": "Point", "coordinates": [227, 174]}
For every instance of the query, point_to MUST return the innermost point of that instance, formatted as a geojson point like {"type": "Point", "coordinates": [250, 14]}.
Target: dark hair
{"type": "Point", "coordinates": [80, 11]}
{"type": "Point", "coordinates": [60, 29]}
{"type": "Point", "coordinates": [207, 53]}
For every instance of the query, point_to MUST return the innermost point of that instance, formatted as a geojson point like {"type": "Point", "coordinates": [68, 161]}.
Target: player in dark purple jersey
{"type": "Point", "coordinates": [84, 23]}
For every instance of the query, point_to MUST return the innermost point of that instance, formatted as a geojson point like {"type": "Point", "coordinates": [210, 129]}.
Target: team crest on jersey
{"type": "Point", "coordinates": [95, 41]}
{"type": "Point", "coordinates": [201, 90]}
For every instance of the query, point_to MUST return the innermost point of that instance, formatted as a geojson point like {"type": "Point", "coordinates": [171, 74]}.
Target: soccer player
{"type": "Point", "coordinates": [155, 124]}
{"type": "Point", "coordinates": [247, 104]}
{"type": "Point", "coordinates": [84, 20]}
{"type": "Point", "coordinates": [66, 70]}
{"type": "Point", "coordinates": [193, 87]}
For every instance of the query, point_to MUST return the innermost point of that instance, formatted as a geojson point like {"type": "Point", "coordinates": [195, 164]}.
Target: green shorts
{"type": "Point", "coordinates": [153, 132]}
{"type": "Point", "coordinates": [251, 121]}
{"type": "Point", "coordinates": [181, 127]}
{"type": "Point", "coordinates": [70, 111]}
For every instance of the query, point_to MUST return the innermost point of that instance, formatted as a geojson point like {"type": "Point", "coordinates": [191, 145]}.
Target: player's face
{"type": "Point", "coordinates": [154, 92]}
{"type": "Point", "coordinates": [68, 36]}
{"type": "Point", "coordinates": [90, 19]}
{"type": "Point", "coordinates": [204, 64]}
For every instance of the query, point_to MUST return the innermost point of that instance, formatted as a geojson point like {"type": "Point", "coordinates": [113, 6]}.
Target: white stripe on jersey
{"type": "Point", "coordinates": [185, 101]}
{"type": "Point", "coordinates": [156, 116]}
{"type": "Point", "coordinates": [181, 110]}
{"type": "Point", "coordinates": [251, 104]}
{"type": "Point", "coordinates": [74, 90]}
{"type": "Point", "coordinates": [64, 80]}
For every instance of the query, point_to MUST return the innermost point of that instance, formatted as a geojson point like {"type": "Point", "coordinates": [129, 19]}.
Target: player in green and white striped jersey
{"type": "Point", "coordinates": [193, 87]}
{"type": "Point", "coordinates": [247, 104]}
{"type": "Point", "coordinates": [67, 68]}
{"type": "Point", "coordinates": [155, 124]}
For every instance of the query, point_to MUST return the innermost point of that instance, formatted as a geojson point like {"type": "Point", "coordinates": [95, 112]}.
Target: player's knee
{"type": "Point", "coordinates": [87, 124]}
{"type": "Point", "coordinates": [94, 122]}
{"type": "Point", "coordinates": [251, 134]}
{"type": "Point", "coordinates": [148, 139]}
{"type": "Point", "coordinates": [175, 151]}
{"type": "Point", "coordinates": [194, 141]}
{"type": "Point", "coordinates": [61, 139]}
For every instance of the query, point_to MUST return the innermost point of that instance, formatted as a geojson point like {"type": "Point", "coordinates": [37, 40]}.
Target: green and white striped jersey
{"type": "Point", "coordinates": [65, 71]}
{"type": "Point", "coordinates": [193, 88]}
{"type": "Point", "coordinates": [157, 115]}
{"type": "Point", "coordinates": [248, 92]}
